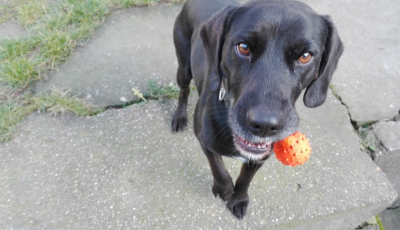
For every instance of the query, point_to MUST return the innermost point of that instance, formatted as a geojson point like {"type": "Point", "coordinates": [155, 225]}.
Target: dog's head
{"type": "Point", "coordinates": [269, 51]}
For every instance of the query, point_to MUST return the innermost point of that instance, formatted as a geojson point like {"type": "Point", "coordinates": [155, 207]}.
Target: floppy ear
{"type": "Point", "coordinates": [212, 33]}
{"type": "Point", "coordinates": [317, 91]}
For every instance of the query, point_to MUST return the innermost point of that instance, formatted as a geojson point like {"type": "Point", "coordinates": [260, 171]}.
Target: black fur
{"type": "Point", "coordinates": [262, 87]}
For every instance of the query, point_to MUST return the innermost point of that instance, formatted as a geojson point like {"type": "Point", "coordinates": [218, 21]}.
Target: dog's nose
{"type": "Point", "coordinates": [263, 124]}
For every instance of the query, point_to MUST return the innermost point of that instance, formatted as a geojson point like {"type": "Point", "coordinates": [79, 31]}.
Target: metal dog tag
{"type": "Point", "coordinates": [222, 92]}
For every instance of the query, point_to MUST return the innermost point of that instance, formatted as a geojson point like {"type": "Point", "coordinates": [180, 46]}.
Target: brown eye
{"type": "Point", "coordinates": [243, 49]}
{"type": "Point", "coordinates": [305, 58]}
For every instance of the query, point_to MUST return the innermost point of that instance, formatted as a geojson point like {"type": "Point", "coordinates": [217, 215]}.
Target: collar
{"type": "Point", "coordinates": [223, 91]}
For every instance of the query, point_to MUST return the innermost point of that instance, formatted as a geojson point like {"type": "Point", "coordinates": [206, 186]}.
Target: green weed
{"type": "Point", "coordinates": [55, 102]}
{"type": "Point", "coordinates": [379, 223]}
{"type": "Point", "coordinates": [158, 91]}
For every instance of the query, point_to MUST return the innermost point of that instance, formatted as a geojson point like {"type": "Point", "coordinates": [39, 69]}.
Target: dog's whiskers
{"type": "Point", "coordinates": [223, 134]}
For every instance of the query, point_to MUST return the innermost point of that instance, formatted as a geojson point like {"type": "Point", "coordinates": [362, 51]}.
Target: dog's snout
{"type": "Point", "coordinates": [262, 123]}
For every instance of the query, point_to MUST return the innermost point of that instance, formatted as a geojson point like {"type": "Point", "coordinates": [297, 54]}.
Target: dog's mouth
{"type": "Point", "coordinates": [251, 150]}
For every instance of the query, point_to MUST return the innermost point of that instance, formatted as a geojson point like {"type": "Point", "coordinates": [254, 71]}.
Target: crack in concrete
{"type": "Point", "coordinates": [352, 121]}
{"type": "Point", "coordinates": [361, 130]}
{"type": "Point", "coordinates": [125, 105]}
{"type": "Point", "coordinates": [372, 147]}
{"type": "Point", "coordinates": [356, 124]}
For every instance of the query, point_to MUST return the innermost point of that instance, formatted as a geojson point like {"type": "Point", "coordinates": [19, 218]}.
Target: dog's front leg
{"type": "Point", "coordinates": [223, 184]}
{"type": "Point", "coordinates": [240, 199]}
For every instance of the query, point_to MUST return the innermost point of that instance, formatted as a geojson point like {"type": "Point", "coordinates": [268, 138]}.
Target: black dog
{"type": "Point", "coordinates": [250, 64]}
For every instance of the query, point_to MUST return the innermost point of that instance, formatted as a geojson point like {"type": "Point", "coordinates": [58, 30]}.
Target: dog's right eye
{"type": "Point", "coordinates": [305, 58]}
{"type": "Point", "coordinates": [243, 49]}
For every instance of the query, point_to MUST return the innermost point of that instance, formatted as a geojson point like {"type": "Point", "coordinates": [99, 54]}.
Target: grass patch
{"type": "Point", "coordinates": [18, 72]}
{"type": "Point", "coordinates": [128, 3]}
{"type": "Point", "coordinates": [29, 11]}
{"type": "Point", "coordinates": [10, 115]}
{"type": "Point", "coordinates": [161, 92]}
{"type": "Point", "coordinates": [60, 102]}
{"type": "Point", "coordinates": [55, 102]}
{"type": "Point", "coordinates": [5, 12]}
{"type": "Point", "coordinates": [10, 49]}
{"type": "Point", "coordinates": [54, 31]}
{"type": "Point", "coordinates": [58, 46]}
{"type": "Point", "coordinates": [155, 91]}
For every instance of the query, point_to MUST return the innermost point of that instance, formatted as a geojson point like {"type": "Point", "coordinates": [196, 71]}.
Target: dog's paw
{"type": "Point", "coordinates": [179, 121]}
{"type": "Point", "coordinates": [238, 207]}
{"type": "Point", "coordinates": [224, 192]}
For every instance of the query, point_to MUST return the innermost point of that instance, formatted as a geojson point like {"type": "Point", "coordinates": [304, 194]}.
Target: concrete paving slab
{"type": "Point", "coordinates": [123, 169]}
{"type": "Point", "coordinates": [386, 136]}
{"type": "Point", "coordinates": [368, 77]}
{"type": "Point", "coordinates": [390, 219]}
{"type": "Point", "coordinates": [88, 173]}
{"type": "Point", "coordinates": [388, 133]}
{"type": "Point", "coordinates": [371, 227]}
{"type": "Point", "coordinates": [367, 80]}
{"type": "Point", "coordinates": [132, 47]}
{"type": "Point", "coordinates": [11, 30]}
{"type": "Point", "coordinates": [389, 163]}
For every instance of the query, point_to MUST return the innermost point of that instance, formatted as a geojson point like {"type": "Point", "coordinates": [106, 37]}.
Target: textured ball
{"type": "Point", "coordinates": [293, 150]}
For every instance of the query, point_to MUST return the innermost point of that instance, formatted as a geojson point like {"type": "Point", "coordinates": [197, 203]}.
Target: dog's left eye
{"type": "Point", "coordinates": [243, 49]}
{"type": "Point", "coordinates": [305, 58]}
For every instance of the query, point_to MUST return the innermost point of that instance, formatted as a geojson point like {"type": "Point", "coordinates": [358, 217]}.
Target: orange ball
{"type": "Point", "coordinates": [293, 150]}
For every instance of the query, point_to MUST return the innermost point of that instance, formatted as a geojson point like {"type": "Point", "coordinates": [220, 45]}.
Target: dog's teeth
{"type": "Point", "coordinates": [255, 145]}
